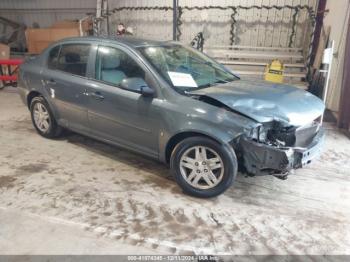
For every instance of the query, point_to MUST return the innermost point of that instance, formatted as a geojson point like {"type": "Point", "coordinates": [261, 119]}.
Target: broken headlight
{"type": "Point", "coordinates": [274, 133]}
{"type": "Point", "coordinates": [258, 134]}
{"type": "Point", "coordinates": [282, 136]}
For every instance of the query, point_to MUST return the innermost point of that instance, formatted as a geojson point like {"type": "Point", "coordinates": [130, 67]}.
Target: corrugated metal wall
{"type": "Point", "coordinates": [45, 12]}
{"type": "Point", "coordinates": [253, 28]}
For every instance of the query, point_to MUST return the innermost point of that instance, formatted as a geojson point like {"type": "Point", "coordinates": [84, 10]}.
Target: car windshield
{"type": "Point", "coordinates": [186, 69]}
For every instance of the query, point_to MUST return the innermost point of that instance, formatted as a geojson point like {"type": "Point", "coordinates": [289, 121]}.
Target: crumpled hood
{"type": "Point", "coordinates": [265, 102]}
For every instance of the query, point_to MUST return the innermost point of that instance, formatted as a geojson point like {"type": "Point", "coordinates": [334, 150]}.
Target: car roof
{"type": "Point", "coordinates": [127, 40]}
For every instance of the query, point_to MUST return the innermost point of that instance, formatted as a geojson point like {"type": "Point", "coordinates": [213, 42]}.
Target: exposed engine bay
{"type": "Point", "coordinates": [274, 147]}
{"type": "Point", "coordinates": [281, 135]}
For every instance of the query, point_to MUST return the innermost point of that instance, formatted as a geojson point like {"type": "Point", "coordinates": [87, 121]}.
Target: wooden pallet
{"type": "Point", "coordinates": [255, 55]}
{"type": "Point", "coordinates": [264, 64]}
{"type": "Point", "coordinates": [251, 62]}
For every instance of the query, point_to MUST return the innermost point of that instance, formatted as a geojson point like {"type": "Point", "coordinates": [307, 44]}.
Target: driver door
{"type": "Point", "coordinates": [121, 116]}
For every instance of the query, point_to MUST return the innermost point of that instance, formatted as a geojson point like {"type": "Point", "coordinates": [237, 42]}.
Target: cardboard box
{"type": "Point", "coordinates": [86, 24]}
{"type": "Point", "coordinates": [66, 24]}
{"type": "Point", "coordinates": [4, 51]}
{"type": "Point", "coordinates": [41, 38]}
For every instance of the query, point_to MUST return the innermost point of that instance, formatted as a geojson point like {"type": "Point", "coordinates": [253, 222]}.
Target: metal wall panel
{"type": "Point", "coordinates": [149, 24]}
{"type": "Point", "coordinates": [50, 4]}
{"type": "Point", "coordinates": [45, 12]}
{"type": "Point", "coordinates": [253, 27]}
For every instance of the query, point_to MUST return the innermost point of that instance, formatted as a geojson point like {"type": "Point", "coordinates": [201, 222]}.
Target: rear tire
{"type": "Point", "coordinates": [202, 167]}
{"type": "Point", "coordinates": [43, 119]}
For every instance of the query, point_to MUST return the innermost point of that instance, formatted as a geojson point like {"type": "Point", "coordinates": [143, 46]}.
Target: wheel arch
{"type": "Point", "coordinates": [177, 138]}
{"type": "Point", "coordinates": [31, 95]}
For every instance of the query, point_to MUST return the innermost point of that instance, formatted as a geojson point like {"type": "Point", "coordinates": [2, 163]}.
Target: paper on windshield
{"type": "Point", "coordinates": [182, 79]}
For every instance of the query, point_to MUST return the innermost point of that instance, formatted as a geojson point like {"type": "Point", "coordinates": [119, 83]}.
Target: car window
{"type": "Point", "coordinates": [73, 58]}
{"type": "Point", "coordinates": [53, 57]}
{"type": "Point", "coordinates": [186, 69]}
{"type": "Point", "coordinates": [113, 65]}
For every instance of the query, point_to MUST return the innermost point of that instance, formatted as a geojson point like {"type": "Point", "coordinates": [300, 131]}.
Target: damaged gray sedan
{"type": "Point", "coordinates": [174, 104]}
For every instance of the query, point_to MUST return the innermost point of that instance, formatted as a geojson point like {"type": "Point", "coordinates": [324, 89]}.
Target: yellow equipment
{"type": "Point", "coordinates": [274, 72]}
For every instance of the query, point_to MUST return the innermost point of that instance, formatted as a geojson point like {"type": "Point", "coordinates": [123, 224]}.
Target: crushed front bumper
{"type": "Point", "coordinates": [262, 159]}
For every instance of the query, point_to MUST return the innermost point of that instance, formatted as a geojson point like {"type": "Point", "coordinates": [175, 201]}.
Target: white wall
{"type": "Point", "coordinates": [274, 31]}
{"type": "Point", "coordinates": [254, 27]}
{"type": "Point", "coordinates": [158, 24]}
{"type": "Point", "coordinates": [337, 19]}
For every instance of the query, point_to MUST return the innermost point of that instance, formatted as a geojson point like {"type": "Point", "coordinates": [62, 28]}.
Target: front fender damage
{"type": "Point", "coordinates": [266, 159]}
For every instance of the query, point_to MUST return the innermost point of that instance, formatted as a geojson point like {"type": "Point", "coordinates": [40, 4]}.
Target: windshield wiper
{"type": "Point", "coordinates": [223, 81]}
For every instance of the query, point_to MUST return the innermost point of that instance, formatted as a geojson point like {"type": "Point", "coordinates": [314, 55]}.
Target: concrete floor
{"type": "Point", "coordinates": [75, 195]}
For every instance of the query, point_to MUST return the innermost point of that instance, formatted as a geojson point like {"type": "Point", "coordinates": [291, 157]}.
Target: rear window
{"type": "Point", "coordinates": [73, 58]}
{"type": "Point", "coordinates": [53, 57]}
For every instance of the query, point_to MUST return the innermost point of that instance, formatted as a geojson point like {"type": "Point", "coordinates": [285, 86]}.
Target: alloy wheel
{"type": "Point", "coordinates": [41, 117]}
{"type": "Point", "coordinates": [201, 167]}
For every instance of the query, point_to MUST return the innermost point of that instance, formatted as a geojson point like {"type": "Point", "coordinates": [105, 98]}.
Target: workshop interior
{"type": "Point", "coordinates": [214, 130]}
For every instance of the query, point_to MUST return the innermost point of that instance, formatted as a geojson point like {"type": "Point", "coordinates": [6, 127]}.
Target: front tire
{"type": "Point", "coordinates": [43, 119]}
{"type": "Point", "coordinates": [202, 167]}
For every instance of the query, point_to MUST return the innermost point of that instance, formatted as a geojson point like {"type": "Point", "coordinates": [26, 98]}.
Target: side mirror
{"type": "Point", "coordinates": [147, 91]}
{"type": "Point", "coordinates": [138, 85]}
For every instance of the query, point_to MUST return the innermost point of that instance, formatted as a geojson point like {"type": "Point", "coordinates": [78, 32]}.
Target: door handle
{"type": "Point", "coordinates": [97, 95]}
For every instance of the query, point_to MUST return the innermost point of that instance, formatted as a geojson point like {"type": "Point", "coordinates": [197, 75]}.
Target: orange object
{"type": "Point", "coordinates": [39, 39]}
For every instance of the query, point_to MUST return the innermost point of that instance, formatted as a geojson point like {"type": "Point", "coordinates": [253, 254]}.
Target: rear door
{"type": "Point", "coordinates": [66, 82]}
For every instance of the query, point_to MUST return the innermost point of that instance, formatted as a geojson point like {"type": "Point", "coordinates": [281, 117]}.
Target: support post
{"type": "Point", "coordinates": [328, 60]}
{"type": "Point", "coordinates": [98, 16]}
{"type": "Point", "coordinates": [106, 13]}
{"type": "Point", "coordinates": [344, 107]}
{"type": "Point", "coordinates": [320, 12]}
{"type": "Point", "coordinates": [175, 5]}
